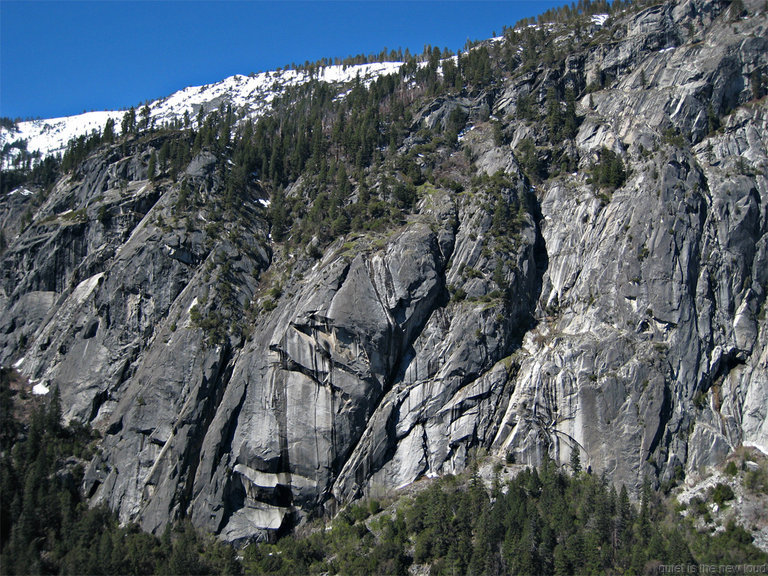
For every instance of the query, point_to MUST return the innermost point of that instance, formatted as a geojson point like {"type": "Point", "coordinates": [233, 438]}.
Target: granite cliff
{"type": "Point", "coordinates": [578, 260]}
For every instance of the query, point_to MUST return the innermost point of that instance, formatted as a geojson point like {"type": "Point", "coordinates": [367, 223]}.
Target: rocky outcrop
{"type": "Point", "coordinates": [332, 393]}
{"type": "Point", "coordinates": [247, 387]}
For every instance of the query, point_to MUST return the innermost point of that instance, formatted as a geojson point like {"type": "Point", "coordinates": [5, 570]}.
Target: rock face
{"type": "Point", "coordinates": [627, 324]}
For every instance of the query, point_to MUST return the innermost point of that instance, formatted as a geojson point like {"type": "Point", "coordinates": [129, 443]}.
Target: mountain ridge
{"type": "Point", "coordinates": [52, 136]}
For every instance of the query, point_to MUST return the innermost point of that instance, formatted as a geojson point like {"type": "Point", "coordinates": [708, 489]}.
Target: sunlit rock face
{"type": "Point", "coordinates": [248, 385]}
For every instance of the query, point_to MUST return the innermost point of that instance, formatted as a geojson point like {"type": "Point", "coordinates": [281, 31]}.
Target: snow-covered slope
{"type": "Point", "coordinates": [51, 135]}
{"type": "Point", "coordinates": [252, 95]}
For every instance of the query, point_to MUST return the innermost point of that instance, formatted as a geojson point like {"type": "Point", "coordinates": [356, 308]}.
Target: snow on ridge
{"type": "Point", "coordinates": [51, 135]}
{"type": "Point", "coordinates": [599, 19]}
{"type": "Point", "coordinates": [254, 93]}
{"type": "Point", "coordinates": [366, 72]}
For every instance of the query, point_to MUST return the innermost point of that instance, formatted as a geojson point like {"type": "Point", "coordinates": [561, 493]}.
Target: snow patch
{"type": "Point", "coordinates": [18, 363]}
{"type": "Point", "coordinates": [23, 191]}
{"type": "Point", "coordinates": [463, 134]}
{"type": "Point", "coordinates": [599, 19]}
{"type": "Point", "coordinates": [40, 389]}
{"type": "Point", "coordinates": [763, 449]}
{"type": "Point", "coordinates": [188, 323]}
{"type": "Point", "coordinates": [84, 289]}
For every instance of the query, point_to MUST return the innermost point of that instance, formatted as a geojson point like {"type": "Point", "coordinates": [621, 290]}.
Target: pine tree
{"type": "Point", "coordinates": [570, 122]}
{"type": "Point", "coordinates": [108, 136]}
{"type": "Point", "coordinates": [145, 113]}
{"type": "Point", "coordinates": [554, 115]}
{"type": "Point", "coordinates": [575, 461]}
{"type": "Point", "coordinates": [278, 214]}
{"type": "Point", "coordinates": [162, 158]}
{"type": "Point", "coordinates": [53, 413]}
{"type": "Point", "coordinates": [7, 422]}
{"type": "Point", "coordinates": [152, 166]}
{"type": "Point", "coordinates": [624, 519]}
{"type": "Point", "coordinates": [128, 125]}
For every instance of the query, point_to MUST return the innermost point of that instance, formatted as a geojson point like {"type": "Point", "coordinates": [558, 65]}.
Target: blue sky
{"type": "Point", "coordinates": [65, 57]}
